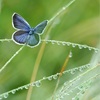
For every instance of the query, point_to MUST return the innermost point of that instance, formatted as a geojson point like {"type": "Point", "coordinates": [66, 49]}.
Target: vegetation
{"type": "Point", "coordinates": [65, 65]}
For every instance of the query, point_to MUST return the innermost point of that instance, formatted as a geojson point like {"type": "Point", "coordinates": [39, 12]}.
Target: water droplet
{"type": "Point", "coordinates": [33, 84]}
{"type": "Point", "coordinates": [96, 51]}
{"type": "Point", "coordinates": [64, 8]}
{"type": "Point", "coordinates": [63, 43]}
{"type": "Point", "coordinates": [80, 46]}
{"type": "Point", "coordinates": [13, 91]}
{"type": "Point", "coordinates": [81, 69]}
{"type": "Point", "coordinates": [49, 78]}
{"type": "Point", "coordinates": [54, 76]}
{"type": "Point", "coordinates": [22, 87]}
{"type": "Point", "coordinates": [68, 44]}
{"type": "Point", "coordinates": [37, 83]}
{"type": "Point", "coordinates": [58, 43]}
{"type": "Point", "coordinates": [70, 55]}
{"type": "Point", "coordinates": [90, 48]}
{"type": "Point", "coordinates": [73, 45]}
{"type": "Point", "coordinates": [88, 66]}
{"type": "Point", "coordinates": [72, 71]}
{"type": "Point", "coordinates": [44, 78]}
{"type": "Point", "coordinates": [6, 95]}
{"type": "Point", "coordinates": [26, 86]}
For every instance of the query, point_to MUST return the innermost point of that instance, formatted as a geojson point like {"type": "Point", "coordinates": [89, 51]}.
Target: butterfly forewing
{"type": "Point", "coordinates": [20, 23]}
{"type": "Point", "coordinates": [40, 27]}
{"type": "Point", "coordinates": [20, 37]}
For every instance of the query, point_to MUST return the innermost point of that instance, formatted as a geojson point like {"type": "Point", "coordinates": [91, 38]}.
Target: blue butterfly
{"type": "Point", "coordinates": [26, 34]}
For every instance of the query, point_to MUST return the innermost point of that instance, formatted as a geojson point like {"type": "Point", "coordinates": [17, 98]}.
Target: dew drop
{"type": "Point", "coordinates": [88, 66]}
{"type": "Point", "coordinates": [70, 55]}
{"type": "Point", "coordinates": [6, 95]}
{"type": "Point", "coordinates": [44, 78]}
{"type": "Point", "coordinates": [90, 48]}
{"type": "Point", "coordinates": [54, 76]}
{"type": "Point", "coordinates": [58, 43]}
{"type": "Point", "coordinates": [22, 87]}
{"type": "Point", "coordinates": [37, 83]}
{"type": "Point", "coordinates": [68, 44]}
{"type": "Point", "coordinates": [64, 8]}
{"type": "Point", "coordinates": [13, 91]}
{"type": "Point", "coordinates": [80, 47]}
{"type": "Point", "coordinates": [33, 84]}
{"type": "Point", "coordinates": [96, 51]}
{"type": "Point", "coordinates": [85, 46]}
{"type": "Point", "coordinates": [72, 71]}
{"type": "Point", "coordinates": [63, 43]}
{"type": "Point", "coordinates": [49, 78]}
{"type": "Point", "coordinates": [81, 69]}
{"type": "Point", "coordinates": [26, 87]}
{"type": "Point", "coordinates": [73, 45]}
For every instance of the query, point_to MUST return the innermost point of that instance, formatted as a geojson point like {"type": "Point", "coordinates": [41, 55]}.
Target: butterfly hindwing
{"type": "Point", "coordinates": [20, 37]}
{"type": "Point", "coordinates": [33, 40]}
{"type": "Point", "coordinates": [20, 23]}
{"type": "Point", "coordinates": [40, 27]}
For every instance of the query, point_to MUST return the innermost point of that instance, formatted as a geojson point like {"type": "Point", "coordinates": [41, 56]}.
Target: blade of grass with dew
{"type": "Point", "coordinates": [42, 50]}
{"type": "Point", "coordinates": [61, 72]}
{"type": "Point", "coordinates": [15, 54]}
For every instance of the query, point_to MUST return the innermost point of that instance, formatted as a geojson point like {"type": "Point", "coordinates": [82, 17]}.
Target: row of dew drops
{"type": "Point", "coordinates": [38, 83]}
{"type": "Point", "coordinates": [81, 87]}
{"type": "Point", "coordinates": [80, 46]}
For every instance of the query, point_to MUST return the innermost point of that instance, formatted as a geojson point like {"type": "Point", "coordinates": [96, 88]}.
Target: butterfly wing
{"type": "Point", "coordinates": [40, 27]}
{"type": "Point", "coordinates": [33, 40]}
{"type": "Point", "coordinates": [20, 37]}
{"type": "Point", "coordinates": [19, 22]}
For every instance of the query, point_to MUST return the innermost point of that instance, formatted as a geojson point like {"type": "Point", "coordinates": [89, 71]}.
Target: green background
{"type": "Point", "coordinates": [79, 23]}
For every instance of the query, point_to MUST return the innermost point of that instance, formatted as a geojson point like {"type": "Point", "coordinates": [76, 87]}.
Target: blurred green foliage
{"type": "Point", "coordinates": [79, 23]}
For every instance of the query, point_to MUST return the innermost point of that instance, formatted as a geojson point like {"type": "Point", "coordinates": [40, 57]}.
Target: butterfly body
{"type": "Point", "coordinates": [26, 34]}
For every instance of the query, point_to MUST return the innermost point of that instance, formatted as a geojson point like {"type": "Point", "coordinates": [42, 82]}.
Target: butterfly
{"type": "Point", "coordinates": [26, 34]}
